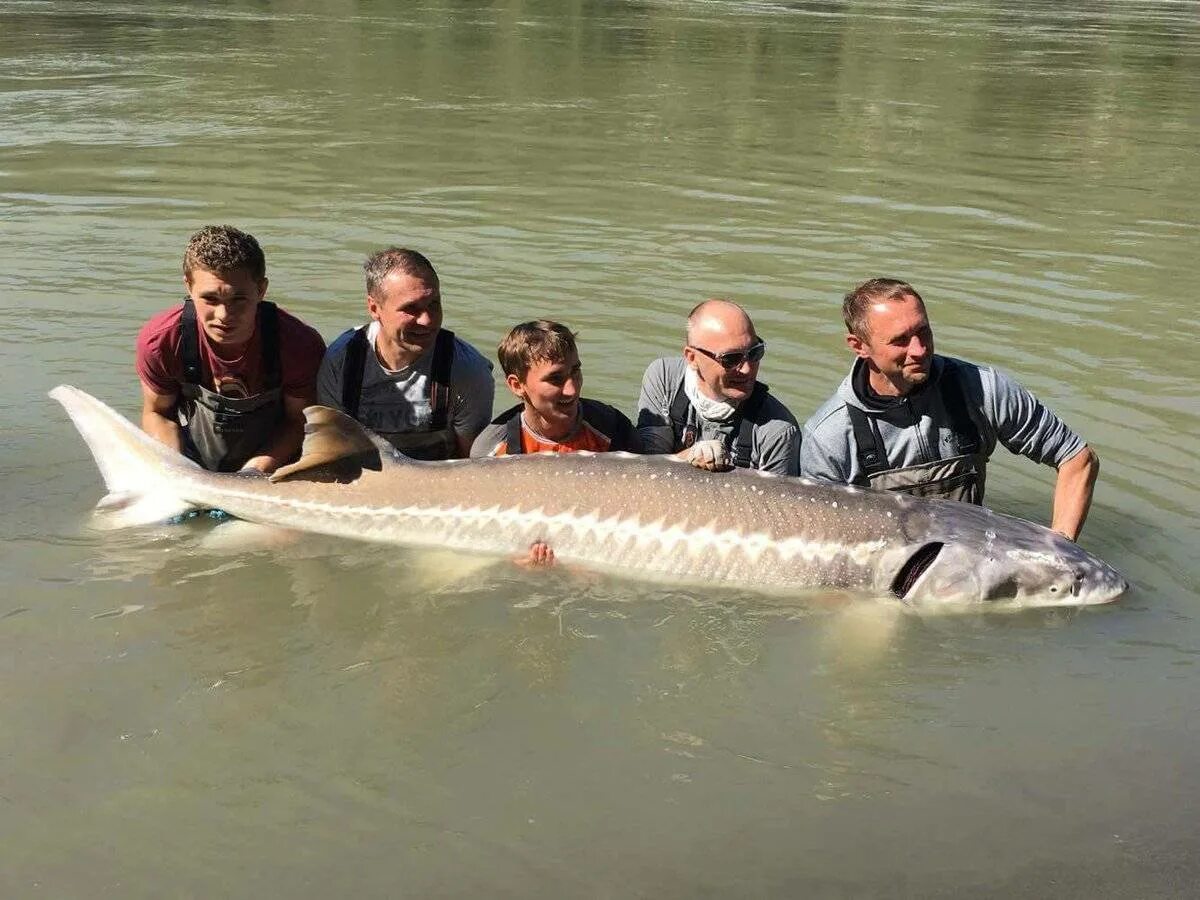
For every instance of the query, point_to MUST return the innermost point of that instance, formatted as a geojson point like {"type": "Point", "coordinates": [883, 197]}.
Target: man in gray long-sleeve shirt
{"type": "Point", "coordinates": [905, 419]}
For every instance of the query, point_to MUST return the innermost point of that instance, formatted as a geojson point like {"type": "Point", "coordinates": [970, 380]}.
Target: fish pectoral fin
{"type": "Point", "coordinates": [341, 471]}
{"type": "Point", "coordinates": [336, 448]}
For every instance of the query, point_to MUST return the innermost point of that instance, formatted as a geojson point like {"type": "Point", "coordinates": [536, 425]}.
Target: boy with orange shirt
{"type": "Point", "coordinates": [541, 367]}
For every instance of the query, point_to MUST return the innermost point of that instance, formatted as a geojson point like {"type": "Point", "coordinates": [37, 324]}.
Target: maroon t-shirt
{"type": "Point", "coordinates": [159, 358]}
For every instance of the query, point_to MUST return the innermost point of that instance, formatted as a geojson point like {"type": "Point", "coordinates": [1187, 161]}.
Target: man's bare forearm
{"type": "Point", "coordinates": [163, 430]}
{"type": "Point", "coordinates": [1073, 492]}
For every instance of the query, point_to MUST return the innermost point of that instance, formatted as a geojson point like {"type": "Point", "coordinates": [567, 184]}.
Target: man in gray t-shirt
{"type": "Point", "coordinates": [405, 377]}
{"type": "Point", "coordinates": [709, 407]}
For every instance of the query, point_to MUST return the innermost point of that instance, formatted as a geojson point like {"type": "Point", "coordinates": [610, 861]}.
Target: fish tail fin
{"type": "Point", "coordinates": [141, 474]}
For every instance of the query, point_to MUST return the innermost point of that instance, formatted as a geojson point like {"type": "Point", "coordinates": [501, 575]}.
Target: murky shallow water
{"type": "Point", "coordinates": [185, 718]}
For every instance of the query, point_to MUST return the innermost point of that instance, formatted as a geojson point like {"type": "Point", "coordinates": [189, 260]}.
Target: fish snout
{"type": "Point", "coordinates": [1100, 583]}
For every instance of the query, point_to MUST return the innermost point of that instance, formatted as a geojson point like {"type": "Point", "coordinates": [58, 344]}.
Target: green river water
{"type": "Point", "coordinates": [184, 718]}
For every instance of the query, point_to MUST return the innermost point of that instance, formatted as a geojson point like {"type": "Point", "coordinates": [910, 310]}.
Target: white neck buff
{"type": "Point", "coordinates": [708, 408]}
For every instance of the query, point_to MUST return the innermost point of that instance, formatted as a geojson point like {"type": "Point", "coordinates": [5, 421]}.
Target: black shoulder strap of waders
{"type": "Point", "coordinates": [606, 420]}
{"type": "Point", "coordinates": [748, 416]}
{"type": "Point", "coordinates": [353, 367]}
{"type": "Point", "coordinates": [600, 416]}
{"type": "Point", "coordinates": [512, 435]}
{"type": "Point", "coordinates": [680, 415]}
{"type": "Point", "coordinates": [189, 346]}
{"type": "Point", "coordinates": [868, 443]}
{"type": "Point", "coordinates": [439, 380]}
{"type": "Point", "coordinates": [272, 365]}
{"type": "Point", "coordinates": [955, 401]}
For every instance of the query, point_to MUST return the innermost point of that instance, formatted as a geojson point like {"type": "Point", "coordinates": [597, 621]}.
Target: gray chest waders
{"type": "Point", "coordinates": [221, 432]}
{"type": "Point", "coordinates": [438, 441]}
{"type": "Point", "coordinates": [959, 477]}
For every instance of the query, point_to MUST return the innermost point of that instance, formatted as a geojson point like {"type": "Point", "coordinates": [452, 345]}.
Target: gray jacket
{"type": "Point", "coordinates": [774, 444]}
{"type": "Point", "coordinates": [915, 429]}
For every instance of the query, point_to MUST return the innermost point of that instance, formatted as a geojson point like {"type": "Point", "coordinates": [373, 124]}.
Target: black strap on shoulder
{"type": "Point", "coordinates": [961, 423]}
{"type": "Point", "coordinates": [354, 369]}
{"type": "Point", "coordinates": [189, 346]}
{"type": "Point", "coordinates": [353, 366]}
{"type": "Point", "coordinates": [868, 443]}
{"type": "Point", "coordinates": [272, 365]}
{"type": "Point", "coordinates": [268, 324]}
{"type": "Point", "coordinates": [680, 415]}
{"type": "Point", "coordinates": [748, 416]}
{"type": "Point", "coordinates": [439, 380]}
{"type": "Point", "coordinates": [512, 436]}
{"type": "Point", "coordinates": [741, 440]}
{"type": "Point", "coordinates": [872, 455]}
{"type": "Point", "coordinates": [602, 417]}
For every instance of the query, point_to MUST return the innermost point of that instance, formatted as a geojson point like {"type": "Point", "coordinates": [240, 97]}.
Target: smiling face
{"type": "Point", "coordinates": [722, 328]}
{"type": "Point", "coordinates": [897, 344]}
{"type": "Point", "coordinates": [408, 309]}
{"type": "Point", "coordinates": [550, 393]}
{"type": "Point", "coordinates": [226, 306]}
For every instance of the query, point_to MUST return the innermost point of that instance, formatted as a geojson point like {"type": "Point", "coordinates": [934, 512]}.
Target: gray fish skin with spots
{"type": "Point", "coordinates": [649, 517]}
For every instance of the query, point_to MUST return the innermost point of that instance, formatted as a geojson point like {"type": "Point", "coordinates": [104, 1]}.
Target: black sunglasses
{"type": "Point", "coordinates": [735, 358]}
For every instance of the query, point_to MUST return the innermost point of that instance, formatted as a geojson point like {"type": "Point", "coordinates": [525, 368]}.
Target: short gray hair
{"type": "Point", "coordinates": [379, 265]}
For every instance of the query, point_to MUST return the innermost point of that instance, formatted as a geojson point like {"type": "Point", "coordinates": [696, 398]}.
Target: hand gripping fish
{"type": "Point", "coordinates": [649, 517]}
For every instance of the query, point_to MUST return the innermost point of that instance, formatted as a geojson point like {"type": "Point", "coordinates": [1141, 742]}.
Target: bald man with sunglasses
{"type": "Point", "coordinates": [709, 407]}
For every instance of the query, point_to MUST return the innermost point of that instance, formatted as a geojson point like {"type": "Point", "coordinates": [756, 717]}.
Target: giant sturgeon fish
{"type": "Point", "coordinates": [645, 516]}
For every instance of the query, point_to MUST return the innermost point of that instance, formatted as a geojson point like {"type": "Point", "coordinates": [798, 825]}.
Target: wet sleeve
{"type": "Point", "coordinates": [156, 362]}
{"type": "Point", "coordinates": [474, 392]}
{"type": "Point", "coordinates": [1025, 426]}
{"type": "Point", "coordinates": [779, 448]}
{"type": "Point", "coordinates": [653, 420]}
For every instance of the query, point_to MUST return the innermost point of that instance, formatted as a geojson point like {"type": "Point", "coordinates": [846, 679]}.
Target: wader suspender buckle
{"type": "Point", "coordinates": [872, 455]}
{"type": "Point", "coordinates": [439, 380]}
{"type": "Point", "coordinates": [680, 416]}
{"type": "Point", "coordinates": [740, 442]}
{"type": "Point", "coordinates": [961, 423]}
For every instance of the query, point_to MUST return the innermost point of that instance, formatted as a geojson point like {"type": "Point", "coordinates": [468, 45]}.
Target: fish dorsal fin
{"type": "Point", "coordinates": [336, 447]}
